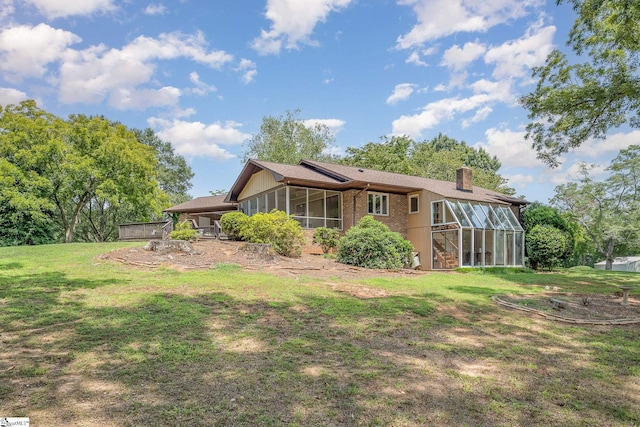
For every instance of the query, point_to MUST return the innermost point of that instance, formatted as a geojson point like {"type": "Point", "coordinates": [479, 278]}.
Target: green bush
{"type": "Point", "coordinates": [232, 222]}
{"type": "Point", "coordinates": [327, 238]}
{"type": "Point", "coordinates": [277, 228]}
{"type": "Point", "coordinates": [184, 231]}
{"type": "Point", "coordinates": [371, 244]}
{"type": "Point", "coordinates": [546, 246]}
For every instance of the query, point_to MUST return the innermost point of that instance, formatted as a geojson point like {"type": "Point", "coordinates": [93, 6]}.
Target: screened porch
{"type": "Point", "coordinates": [469, 234]}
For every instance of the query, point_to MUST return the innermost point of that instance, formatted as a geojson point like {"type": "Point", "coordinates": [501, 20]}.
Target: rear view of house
{"type": "Point", "coordinates": [450, 224]}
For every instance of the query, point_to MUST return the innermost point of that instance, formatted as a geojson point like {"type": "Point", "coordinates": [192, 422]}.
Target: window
{"type": "Point", "coordinates": [413, 204]}
{"type": "Point", "coordinates": [437, 213]}
{"type": "Point", "coordinates": [378, 204]}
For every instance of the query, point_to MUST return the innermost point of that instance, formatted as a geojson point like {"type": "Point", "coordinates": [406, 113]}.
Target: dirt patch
{"type": "Point", "coordinates": [578, 306]}
{"type": "Point", "coordinates": [210, 253]}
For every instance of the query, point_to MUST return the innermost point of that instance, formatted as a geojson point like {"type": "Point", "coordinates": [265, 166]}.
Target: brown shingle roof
{"type": "Point", "coordinates": [384, 180]}
{"type": "Point", "coordinates": [340, 177]}
{"type": "Point", "coordinates": [203, 204]}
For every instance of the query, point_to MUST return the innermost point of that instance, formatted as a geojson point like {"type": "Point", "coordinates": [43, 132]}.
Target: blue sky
{"type": "Point", "coordinates": [203, 74]}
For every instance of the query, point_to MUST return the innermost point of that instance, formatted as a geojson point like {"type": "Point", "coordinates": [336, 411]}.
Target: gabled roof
{"type": "Point", "coordinates": [340, 177]}
{"type": "Point", "coordinates": [203, 204]}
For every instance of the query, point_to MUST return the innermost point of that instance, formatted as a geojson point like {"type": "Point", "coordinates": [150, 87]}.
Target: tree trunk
{"type": "Point", "coordinates": [609, 255]}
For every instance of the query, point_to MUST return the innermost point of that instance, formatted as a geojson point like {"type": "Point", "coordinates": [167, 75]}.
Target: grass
{"type": "Point", "coordinates": [84, 342]}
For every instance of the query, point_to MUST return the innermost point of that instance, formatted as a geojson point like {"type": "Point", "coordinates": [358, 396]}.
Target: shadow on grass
{"type": "Point", "coordinates": [205, 359]}
{"type": "Point", "coordinates": [567, 280]}
{"type": "Point", "coordinates": [10, 266]}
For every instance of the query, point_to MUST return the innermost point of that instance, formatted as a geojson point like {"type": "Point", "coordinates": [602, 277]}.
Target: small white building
{"type": "Point", "coordinates": [628, 263]}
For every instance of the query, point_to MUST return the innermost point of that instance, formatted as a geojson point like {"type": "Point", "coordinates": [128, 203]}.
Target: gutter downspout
{"type": "Point", "coordinates": [353, 218]}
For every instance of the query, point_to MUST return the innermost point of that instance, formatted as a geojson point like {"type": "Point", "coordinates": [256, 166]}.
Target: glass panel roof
{"type": "Point", "coordinates": [459, 214]}
{"type": "Point", "coordinates": [471, 215]}
{"type": "Point", "coordinates": [497, 222]}
{"type": "Point", "coordinates": [475, 215]}
{"type": "Point", "coordinates": [512, 219]}
{"type": "Point", "coordinates": [503, 217]}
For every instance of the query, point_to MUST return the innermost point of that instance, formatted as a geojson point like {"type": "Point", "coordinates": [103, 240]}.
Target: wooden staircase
{"type": "Point", "coordinates": [448, 259]}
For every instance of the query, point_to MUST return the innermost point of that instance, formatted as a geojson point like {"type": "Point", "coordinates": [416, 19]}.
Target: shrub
{"type": "Point", "coordinates": [277, 228]}
{"type": "Point", "coordinates": [371, 244]}
{"type": "Point", "coordinates": [545, 246]}
{"type": "Point", "coordinates": [184, 231]}
{"type": "Point", "coordinates": [232, 222]}
{"type": "Point", "coordinates": [327, 238]}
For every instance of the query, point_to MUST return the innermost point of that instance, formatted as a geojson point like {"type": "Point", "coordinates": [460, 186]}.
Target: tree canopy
{"type": "Point", "coordinates": [438, 158]}
{"type": "Point", "coordinates": [174, 173]}
{"type": "Point", "coordinates": [286, 139]}
{"type": "Point", "coordinates": [573, 102]}
{"type": "Point", "coordinates": [608, 210]}
{"type": "Point", "coordinates": [66, 174]}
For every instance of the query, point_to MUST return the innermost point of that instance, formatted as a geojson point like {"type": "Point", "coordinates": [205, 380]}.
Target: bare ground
{"type": "Point", "coordinates": [212, 252]}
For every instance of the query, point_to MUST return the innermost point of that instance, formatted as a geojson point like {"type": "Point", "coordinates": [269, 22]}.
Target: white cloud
{"type": "Point", "coordinates": [511, 148]}
{"type": "Point", "coordinates": [6, 9]}
{"type": "Point", "coordinates": [248, 70]}
{"type": "Point", "coordinates": [26, 51]}
{"type": "Point", "coordinates": [201, 88]}
{"type": "Point", "coordinates": [447, 108]}
{"type": "Point", "coordinates": [293, 22]}
{"type": "Point", "coordinates": [11, 96]}
{"type": "Point", "coordinates": [439, 18]}
{"type": "Point", "coordinates": [611, 145]}
{"type": "Point", "coordinates": [334, 125]}
{"type": "Point", "coordinates": [96, 73]}
{"type": "Point", "coordinates": [414, 58]}
{"type": "Point", "coordinates": [58, 9]}
{"type": "Point", "coordinates": [572, 173]}
{"type": "Point", "coordinates": [155, 9]}
{"type": "Point", "coordinates": [401, 92]}
{"type": "Point", "coordinates": [515, 58]}
{"type": "Point", "coordinates": [520, 181]}
{"type": "Point", "coordinates": [141, 99]}
{"type": "Point", "coordinates": [458, 58]}
{"type": "Point", "coordinates": [195, 139]}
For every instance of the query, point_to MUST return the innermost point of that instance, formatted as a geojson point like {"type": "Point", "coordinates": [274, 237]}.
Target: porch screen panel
{"type": "Point", "coordinates": [316, 208]}
{"type": "Point", "coordinates": [271, 201]}
{"type": "Point", "coordinates": [281, 199]}
{"type": "Point", "coordinates": [334, 210]}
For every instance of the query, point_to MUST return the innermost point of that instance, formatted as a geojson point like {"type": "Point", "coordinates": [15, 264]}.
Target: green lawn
{"type": "Point", "coordinates": [85, 342]}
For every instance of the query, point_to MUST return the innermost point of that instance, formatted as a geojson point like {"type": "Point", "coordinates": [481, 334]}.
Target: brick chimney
{"type": "Point", "coordinates": [464, 179]}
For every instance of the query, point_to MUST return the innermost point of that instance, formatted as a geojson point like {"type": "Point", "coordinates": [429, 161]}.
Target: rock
{"type": "Point", "coordinates": [170, 245]}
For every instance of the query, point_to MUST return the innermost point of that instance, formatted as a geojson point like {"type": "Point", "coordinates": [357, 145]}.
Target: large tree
{"type": "Point", "coordinates": [391, 155]}
{"type": "Point", "coordinates": [438, 158]}
{"type": "Point", "coordinates": [67, 165]}
{"type": "Point", "coordinates": [608, 210]}
{"type": "Point", "coordinates": [174, 173]}
{"type": "Point", "coordinates": [573, 102]}
{"type": "Point", "coordinates": [286, 139]}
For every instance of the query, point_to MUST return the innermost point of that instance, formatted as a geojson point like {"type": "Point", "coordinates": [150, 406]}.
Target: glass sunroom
{"type": "Point", "coordinates": [469, 234]}
{"type": "Point", "coordinates": [311, 207]}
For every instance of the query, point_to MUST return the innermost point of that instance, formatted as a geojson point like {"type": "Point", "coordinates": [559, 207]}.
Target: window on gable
{"type": "Point", "coordinates": [378, 204]}
{"type": "Point", "coordinates": [413, 204]}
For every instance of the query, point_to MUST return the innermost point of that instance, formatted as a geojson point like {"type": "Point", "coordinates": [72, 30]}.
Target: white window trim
{"type": "Point", "coordinates": [417, 197]}
{"type": "Point", "coordinates": [386, 195]}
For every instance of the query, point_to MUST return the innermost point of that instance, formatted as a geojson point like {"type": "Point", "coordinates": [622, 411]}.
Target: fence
{"type": "Point", "coordinates": [145, 230]}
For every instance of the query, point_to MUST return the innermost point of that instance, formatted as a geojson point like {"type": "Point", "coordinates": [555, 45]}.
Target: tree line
{"type": "Point", "coordinates": [77, 179]}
